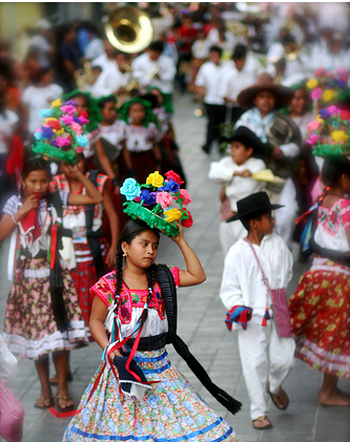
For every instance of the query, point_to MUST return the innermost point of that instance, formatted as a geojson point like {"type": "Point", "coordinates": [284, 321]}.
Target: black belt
{"type": "Point", "coordinates": [150, 342]}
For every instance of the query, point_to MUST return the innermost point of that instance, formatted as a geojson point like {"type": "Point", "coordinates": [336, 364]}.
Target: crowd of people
{"type": "Point", "coordinates": [78, 118]}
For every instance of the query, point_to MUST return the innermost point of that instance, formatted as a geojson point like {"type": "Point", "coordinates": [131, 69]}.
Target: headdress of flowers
{"type": "Point", "coordinates": [153, 202]}
{"type": "Point", "coordinates": [330, 132]}
{"type": "Point", "coordinates": [61, 135]}
{"type": "Point", "coordinates": [93, 112]}
{"type": "Point", "coordinates": [327, 85]}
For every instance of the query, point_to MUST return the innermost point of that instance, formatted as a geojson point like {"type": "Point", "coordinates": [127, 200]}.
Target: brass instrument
{"type": "Point", "coordinates": [129, 29]}
{"type": "Point", "coordinates": [84, 76]}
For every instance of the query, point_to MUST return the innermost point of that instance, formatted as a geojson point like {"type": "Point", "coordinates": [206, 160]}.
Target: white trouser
{"type": "Point", "coordinates": [229, 233]}
{"type": "Point", "coordinates": [264, 355]}
{"type": "Point", "coordinates": [286, 216]}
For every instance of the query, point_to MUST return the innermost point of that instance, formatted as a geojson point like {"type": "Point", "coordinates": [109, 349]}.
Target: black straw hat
{"type": "Point", "coordinates": [254, 203]}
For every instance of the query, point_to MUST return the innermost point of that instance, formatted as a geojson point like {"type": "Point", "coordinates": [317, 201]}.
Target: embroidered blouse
{"type": "Point", "coordinates": [132, 302]}
{"type": "Point", "coordinates": [332, 224]}
{"type": "Point", "coordinates": [140, 138]}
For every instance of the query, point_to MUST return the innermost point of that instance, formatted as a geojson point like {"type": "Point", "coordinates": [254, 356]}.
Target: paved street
{"type": "Point", "coordinates": [201, 325]}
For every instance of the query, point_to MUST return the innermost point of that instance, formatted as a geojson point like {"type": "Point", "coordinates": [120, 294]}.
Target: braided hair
{"type": "Point", "coordinates": [333, 168]}
{"type": "Point", "coordinates": [132, 229]}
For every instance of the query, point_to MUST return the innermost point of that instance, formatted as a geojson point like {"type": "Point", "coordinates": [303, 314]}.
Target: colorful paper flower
{"type": "Point", "coordinates": [328, 95]}
{"type": "Point", "coordinates": [316, 93]}
{"type": "Point", "coordinates": [172, 215]}
{"type": "Point", "coordinates": [339, 135]}
{"type": "Point", "coordinates": [68, 109]}
{"type": "Point", "coordinates": [313, 139]}
{"type": "Point", "coordinates": [324, 114]}
{"type": "Point", "coordinates": [147, 198]}
{"type": "Point", "coordinates": [320, 72]}
{"type": "Point", "coordinates": [45, 113]}
{"type": "Point", "coordinates": [57, 103]}
{"type": "Point", "coordinates": [54, 123]}
{"type": "Point", "coordinates": [174, 176]}
{"type": "Point", "coordinates": [76, 128]}
{"type": "Point", "coordinates": [63, 142]}
{"type": "Point", "coordinates": [67, 119]}
{"type": "Point", "coordinates": [334, 110]}
{"type": "Point", "coordinates": [164, 199]}
{"type": "Point", "coordinates": [314, 125]}
{"type": "Point", "coordinates": [155, 179]}
{"type": "Point", "coordinates": [82, 141]}
{"type": "Point", "coordinates": [186, 219]}
{"type": "Point", "coordinates": [312, 83]}
{"type": "Point", "coordinates": [130, 189]}
{"type": "Point", "coordinates": [345, 115]}
{"type": "Point", "coordinates": [46, 132]}
{"type": "Point", "coordinates": [38, 135]}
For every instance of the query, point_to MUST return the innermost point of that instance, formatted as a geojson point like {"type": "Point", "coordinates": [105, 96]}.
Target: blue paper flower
{"type": "Point", "coordinates": [147, 198]}
{"type": "Point", "coordinates": [46, 132]}
{"type": "Point", "coordinates": [76, 119]}
{"type": "Point", "coordinates": [45, 113]}
{"type": "Point", "coordinates": [170, 186]}
{"type": "Point", "coordinates": [82, 141]}
{"type": "Point", "coordinates": [69, 103]}
{"type": "Point", "coordinates": [38, 135]}
{"type": "Point", "coordinates": [130, 189]}
{"type": "Point", "coordinates": [324, 114]}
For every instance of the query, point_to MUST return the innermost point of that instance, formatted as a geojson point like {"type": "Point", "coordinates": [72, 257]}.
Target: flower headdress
{"type": "Point", "coordinates": [61, 135]}
{"type": "Point", "coordinates": [153, 202]}
{"type": "Point", "coordinates": [93, 113]}
{"type": "Point", "coordinates": [327, 85]}
{"type": "Point", "coordinates": [330, 132]}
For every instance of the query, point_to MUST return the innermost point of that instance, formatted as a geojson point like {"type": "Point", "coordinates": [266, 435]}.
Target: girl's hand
{"type": "Point", "coordinates": [74, 170]}
{"type": "Point", "coordinates": [115, 353]}
{"type": "Point", "coordinates": [30, 203]}
{"type": "Point", "coordinates": [243, 173]}
{"type": "Point", "coordinates": [111, 258]}
{"type": "Point", "coordinates": [180, 236]}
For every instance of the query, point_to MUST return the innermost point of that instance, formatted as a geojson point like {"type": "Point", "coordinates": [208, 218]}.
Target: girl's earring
{"type": "Point", "coordinates": [125, 255]}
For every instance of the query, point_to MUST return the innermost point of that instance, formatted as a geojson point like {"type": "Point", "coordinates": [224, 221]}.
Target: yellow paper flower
{"type": "Point", "coordinates": [172, 215]}
{"type": "Point", "coordinates": [312, 83]}
{"type": "Point", "coordinates": [57, 103]}
{"type": "Point", "coordinates": [50, 119]}
{"type": "Point", "coordinates": [318, 118]}
{"type": "Point", "coordinates": [59, 131]}
{"type": "Point", "coordinates": [328, 95]}
{"type": "Point", "coordinates": [155, 179]}
{"type": "Point", "coordinates": [339, 135]}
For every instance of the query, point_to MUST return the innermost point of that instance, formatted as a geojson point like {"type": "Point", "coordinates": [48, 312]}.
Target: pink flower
{"type": "Point", "coordinates": [79, 149]}
{"type": "Point", "coordinates": [63, 142]}
{"type": "Point", "coordinates": [76, 128]}
{"type": "Point", "coordinates": [67, 119]}
{"type": "Point", "coordinates": [341, 72]}
{"type": "Point", "coordinates": [69, 109]}
{"type": "Point", "coordinates": [313, 139]}
{"type": "Point", "coordinates": [164, 199]}
{"type": "Point", "coordinates": [334, 110]}
{"type": "Point", "coordinates": [186, 199]}
{"type": "Point", "coordinates": [330, 74]}
{"type": "Point", "coordinates": [316, 93]}
{"type": "Point", "coordinates": [320, 71]}
{"type": "Point", "coordinates": [314, 125]}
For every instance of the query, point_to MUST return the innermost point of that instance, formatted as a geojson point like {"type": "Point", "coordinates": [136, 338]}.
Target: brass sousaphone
{"type": "Point", "coordinates": [129, 29]}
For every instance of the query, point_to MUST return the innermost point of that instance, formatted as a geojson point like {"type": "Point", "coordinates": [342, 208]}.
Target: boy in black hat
{"type": "Point", "coordinates": [234, 173]}
{"type": "Point", "coordinates": [257, 271]}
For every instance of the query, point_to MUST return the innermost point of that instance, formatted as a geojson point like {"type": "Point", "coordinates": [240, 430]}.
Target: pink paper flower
{"type": "Point", "coordinates": [314, 125]}
{"type": "Point", "coordinates": [186, 199]}
{"type": "Point", "coordinates": [67, 119]}
{"type": "Point", "coordinates": [341, 72]}
{"type": "Point", "coordinates": [63, 142]}
{"type": "Point", "coordinates": [79, 149]}
{"type": "Point", "coordinates": [320, 71]}
{"type": "Point", "coordinates": [334, 110]}
{"type": "Point", "coordinates": [330, 74]}
{"type": "Point", "coordinates": [76, 128]}
{"type": "Point", "coordinates": [164, 199]}
{"type": "Point", "coordinates": [316, 93]}
{"type": "Point", "coordinates": [69, 109]}
{"type": "Point", "coordinates": [313, 139]}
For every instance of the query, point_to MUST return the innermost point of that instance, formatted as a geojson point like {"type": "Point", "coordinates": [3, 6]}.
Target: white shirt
{"type": "Point", "coordinates": [109, 80]}
{"type": "Point", "coordinates": [114, 134]}
{"type": "Point", "coordinates": [235, 81]}
{"type": "Point", "coordinates": [37, 98]}
{"type": "Point", "coordinates": [143, 67]}
{"type": "Point", "coordinates": [200, 49]}
{"type": "Point", "coordinates": [140, 138]}
{"type": "Point", "coordinates": [6, 130]}
{"type": "Point", "coordinates": [236, 188]}
{"type": "Point", "coordinates": [242, 279]}
{"type": "Point", "coordinates": [210, 76]}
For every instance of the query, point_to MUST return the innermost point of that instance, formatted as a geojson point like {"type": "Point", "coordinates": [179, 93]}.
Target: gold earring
{"type": "Point", "coordinates": [125, 255]}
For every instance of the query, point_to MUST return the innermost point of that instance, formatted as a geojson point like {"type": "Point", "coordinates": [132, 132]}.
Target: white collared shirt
{"type": "Point", "coordinates": [210, 76]}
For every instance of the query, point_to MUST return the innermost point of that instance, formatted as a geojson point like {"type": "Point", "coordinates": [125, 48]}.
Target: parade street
{"type": "Point", "coordinates": [201, 326]}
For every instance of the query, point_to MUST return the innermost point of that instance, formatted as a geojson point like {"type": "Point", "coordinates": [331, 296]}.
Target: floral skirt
{"type": "Point", "coordinates": [171, 410]}
{"type": "Point", "coordinates": [30, 328]}
{"type": "Point", "coordinates": [320, 314]}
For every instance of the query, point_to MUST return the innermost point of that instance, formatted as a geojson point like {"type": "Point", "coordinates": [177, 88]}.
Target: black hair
{"type": "Point", "coordinates": [332, 170]}
{"type": "Point", "coordinates": [157, 46]}
{"type": "Point", "coordinates": [43, 71]}
{"type": "Point", "coordinates": [31, 165]}
{"type": "Point", "coordinates": [256, 215]}
{"type": "Point", "coordinates": [216, 49]}
{"type": "Point", "coordinates": [104, 100]}
{"type": "Point", "coordinates": [6, 69]}
{"type": "Point", "coordinates": [239, 52]}
{"type": "Point", "coordinates": [132, 229]}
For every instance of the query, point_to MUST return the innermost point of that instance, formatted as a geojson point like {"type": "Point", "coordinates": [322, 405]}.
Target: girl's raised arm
{"type": "Point", "coordinates": [93, 195]}
{"type": "Point", "coordinates": [194, 273]}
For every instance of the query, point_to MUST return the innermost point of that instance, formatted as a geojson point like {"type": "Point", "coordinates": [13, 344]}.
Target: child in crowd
{"type": "Point", "coordinates": [110, 143]}
{"type": "Point", "coordinates": [321, 304]}
{"type": "Point", "coordinates": [140, 138]}
{"type": "Point", "coordinates": [257, 271]}
{"type": "Point", "coordinates": [234, 173]}
{"type": "Point", "coordinates": [39, 96]}
{"type": "Point", "coordinates": [42, 312]}
{"type": "Point", "coordinates": [264, 99]}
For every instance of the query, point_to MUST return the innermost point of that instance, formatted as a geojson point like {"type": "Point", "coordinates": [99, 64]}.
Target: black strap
{"type": "Point", "coordinates": [168, 289]}
{"type": "Point", "coordinates": [56, 279]}
{"type": "Point", "coordinates": [94, 237]}
{"type": "Point", "coordinates": [150, 342]}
